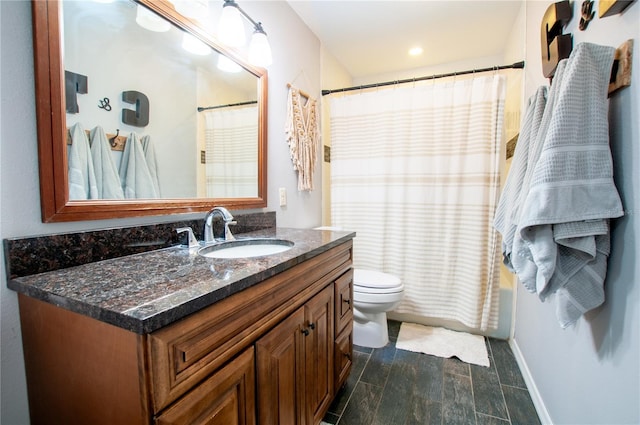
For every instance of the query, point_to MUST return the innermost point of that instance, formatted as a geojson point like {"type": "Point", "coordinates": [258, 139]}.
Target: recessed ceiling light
{"type": "Point", "coordinates": [415, 51]}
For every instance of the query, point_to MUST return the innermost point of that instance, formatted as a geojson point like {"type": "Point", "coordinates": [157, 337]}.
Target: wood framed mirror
{"type": "Point", "coordinates": [54, 55]}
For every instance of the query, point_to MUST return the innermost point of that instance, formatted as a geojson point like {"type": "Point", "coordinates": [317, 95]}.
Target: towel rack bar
{"type": "Point", "coordinates": [119, 140]}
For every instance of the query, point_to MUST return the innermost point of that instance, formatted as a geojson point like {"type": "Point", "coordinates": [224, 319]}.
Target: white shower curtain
{"type": "Point", "coordinates": [231, 152]}
{"type": "Point", "coordinates": [415, 172]}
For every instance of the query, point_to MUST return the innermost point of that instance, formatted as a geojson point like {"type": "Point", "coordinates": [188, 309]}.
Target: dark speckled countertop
{"type": "Point", "coordinates": [145, 292]}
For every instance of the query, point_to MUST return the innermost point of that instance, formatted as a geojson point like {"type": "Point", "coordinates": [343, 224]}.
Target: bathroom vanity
{"type": "Point", "coordinates": [171, 337]}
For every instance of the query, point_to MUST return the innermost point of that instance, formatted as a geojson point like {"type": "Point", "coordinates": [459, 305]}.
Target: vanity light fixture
{"type": "Point", "coordinates": [231, 32]}
{"type": "Point", "coordinates": [230, 27]}
{"type": "Point", "coordinates": [259, 49]}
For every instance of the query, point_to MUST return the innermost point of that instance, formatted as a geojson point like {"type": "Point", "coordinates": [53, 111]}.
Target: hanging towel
{"type": "Point", "coordinates": [134, 173]}
{"type": "Point", "coordinates": [303, 135]}
{"type": "Point", "coordinates": [152, 161]}
{"type": "Point", "coordinates": [521, 259]}
{"type": "Point", "coordinates": [505, 220]}
{"type": "Point", "coordinates": [571, 194]}
{"type": "Point", "coordinates": [82, 179]}
{"type": "Point", "coordinates": [107, 179]}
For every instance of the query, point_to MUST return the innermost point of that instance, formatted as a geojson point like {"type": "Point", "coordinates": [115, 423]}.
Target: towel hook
{"type": "Point", "coordinates": [112, 141]}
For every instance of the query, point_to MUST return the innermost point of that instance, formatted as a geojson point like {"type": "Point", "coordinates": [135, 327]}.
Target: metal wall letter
{"type": "Point", "coordinates": [613, 7]}
{"type": "Point", "coordinates": [139, 117]}
{"type": "Point", "coordinates": [74, 84]}
{"type": "Point", "coordinates": [555, 45]}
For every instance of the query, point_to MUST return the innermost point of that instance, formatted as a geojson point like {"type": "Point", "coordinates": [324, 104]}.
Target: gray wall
{"type": "Point", "coordinates": [588, 374]}
{"type": "Point", "coordinates": [295, 49]}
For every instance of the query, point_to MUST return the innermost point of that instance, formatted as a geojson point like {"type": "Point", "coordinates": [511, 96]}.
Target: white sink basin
{"type": "Point", "coordinates": [246, 248]}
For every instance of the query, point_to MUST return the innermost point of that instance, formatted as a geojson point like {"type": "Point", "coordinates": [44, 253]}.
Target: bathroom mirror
{"type": "Point", "coordinates": [127, 69]}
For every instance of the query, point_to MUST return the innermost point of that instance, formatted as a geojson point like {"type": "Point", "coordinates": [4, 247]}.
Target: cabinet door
{"type": "Point", "coordinates": [319, 354]}
{"type": "Point", "coordinates": [343, 357]}
{"type": "Point", "coordinates": [225, 398]}
{"type": "Point", "coordinates": [281, 379]}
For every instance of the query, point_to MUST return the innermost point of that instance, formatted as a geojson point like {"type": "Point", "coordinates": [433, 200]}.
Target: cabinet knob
{"type": "Point", "coordinates": [346, 300]}
{"type": "Point", "coordinates": [347, 355]}
{"type": "Point", "coordinates": [312, 326]}
{"type": "Point", "coordinates": [305, 332]}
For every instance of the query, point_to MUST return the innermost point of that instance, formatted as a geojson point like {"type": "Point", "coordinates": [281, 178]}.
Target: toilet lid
{"type": "Point", "coordinates": [374, 280]}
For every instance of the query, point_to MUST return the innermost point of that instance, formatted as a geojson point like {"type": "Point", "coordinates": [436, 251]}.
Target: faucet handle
{"type": "Point", "coordinates": [192, 241]}
{"type": "Point", "coordinates": [228, 236]}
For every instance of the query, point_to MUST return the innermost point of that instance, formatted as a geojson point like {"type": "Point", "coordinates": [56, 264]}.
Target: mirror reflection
{"type": "Point", "coordinates": [151, 111]}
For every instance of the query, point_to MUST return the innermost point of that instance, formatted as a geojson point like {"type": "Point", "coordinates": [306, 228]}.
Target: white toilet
{"type": "Point", "coordinates": [374, 293]}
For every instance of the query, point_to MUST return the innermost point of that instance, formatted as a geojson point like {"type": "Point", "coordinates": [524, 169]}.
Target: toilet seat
{"type": "Point", "coordinates": [377, 291]}
{"type": "Point", "coordinates": [374, 282]}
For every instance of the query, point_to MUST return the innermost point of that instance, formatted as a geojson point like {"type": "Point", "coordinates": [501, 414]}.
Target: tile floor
{"type": "Point", "coordinates": [388, 386]}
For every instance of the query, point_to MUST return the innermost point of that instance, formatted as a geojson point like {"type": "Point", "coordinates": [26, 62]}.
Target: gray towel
{"type": "Point", "coordinates": [107, 179]}
{"type": "Point", "coordinates": [82, 179]}
{"type": "Point", "coordinates": [523, 262]}
{"type": "Point", "coordinates": [507, 212]}
{"type": "Point", "coordinates": [570, 195]}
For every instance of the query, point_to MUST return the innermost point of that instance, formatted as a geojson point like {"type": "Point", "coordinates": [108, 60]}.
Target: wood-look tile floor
{"type": "Point", "coordinates": [389, 386]}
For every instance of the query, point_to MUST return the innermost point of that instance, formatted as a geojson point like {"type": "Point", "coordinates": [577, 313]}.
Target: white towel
{"type": "Point", "coordinates": [82, 179]}
{"type": "Point", "coordinates": [570, 194]}
{"type": "Point", "coordinates": [134, 173]}
{"type": "Point", "coordinates": [152, 162]}
{"type": "Point", "coordinates": [107, 179]}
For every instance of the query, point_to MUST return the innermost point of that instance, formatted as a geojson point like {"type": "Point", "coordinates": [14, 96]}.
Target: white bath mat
{"type": "Point", "coordinates": [443, 343]}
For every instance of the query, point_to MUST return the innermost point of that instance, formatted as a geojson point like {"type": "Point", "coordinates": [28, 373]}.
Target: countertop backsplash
{"type": "Point", "coordinates": [39, 254]}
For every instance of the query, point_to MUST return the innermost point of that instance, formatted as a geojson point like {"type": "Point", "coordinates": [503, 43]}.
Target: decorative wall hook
{"type": "Point", "coordinates": [621, 72]}
{"type": "Point", "coordinates": [112, 140]}
{"type": "Point", "coordinates": [587, 14]}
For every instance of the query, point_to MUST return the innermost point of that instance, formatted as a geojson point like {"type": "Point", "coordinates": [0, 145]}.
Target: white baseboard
{"type": "Point", "coordinates": [538, 403]}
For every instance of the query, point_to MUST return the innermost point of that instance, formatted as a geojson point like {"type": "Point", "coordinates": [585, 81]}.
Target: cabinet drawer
{"type": "Point", "coordinates": [225, 398]}
{"type": "Point", "coordinates": [343, 357]}
{"type": "Point", "coordinates": [343, 300]}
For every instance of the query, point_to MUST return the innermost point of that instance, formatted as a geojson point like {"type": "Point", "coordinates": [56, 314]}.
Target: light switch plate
{"type": "Point", "coordinates": [283, 196]}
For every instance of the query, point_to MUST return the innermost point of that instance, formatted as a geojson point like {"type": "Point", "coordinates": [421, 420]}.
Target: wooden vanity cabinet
{"type": "Point", "coordinates": [273, 353]}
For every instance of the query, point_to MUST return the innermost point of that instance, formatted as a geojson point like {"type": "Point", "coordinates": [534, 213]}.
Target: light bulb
{"type": "Point", "coordinates": [231, 28]}
{"type": "Point", "coordinates": [259, 49]}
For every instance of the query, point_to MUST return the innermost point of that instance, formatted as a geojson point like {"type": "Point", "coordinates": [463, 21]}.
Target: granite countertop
{"type": "Point", "coordinates": [145, 292]}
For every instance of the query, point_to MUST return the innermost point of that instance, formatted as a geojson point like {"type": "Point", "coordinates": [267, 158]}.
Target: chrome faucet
{"type": "Point", "coordinates": [227, 218]}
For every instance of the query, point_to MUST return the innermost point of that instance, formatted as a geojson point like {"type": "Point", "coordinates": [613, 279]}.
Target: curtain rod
{"type": "Point", "coordinates": [204, 108]}
{"type": "Point", "coordinates": [517, 65]}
